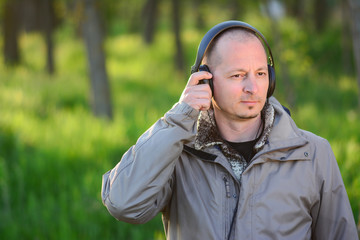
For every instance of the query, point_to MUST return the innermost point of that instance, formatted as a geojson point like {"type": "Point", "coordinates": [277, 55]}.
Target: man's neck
{"type": "Point", "coordinates": [240, 130]}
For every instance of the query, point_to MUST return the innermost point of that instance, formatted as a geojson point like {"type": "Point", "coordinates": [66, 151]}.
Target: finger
{"type": "Point", "coordinates": [198, 91]}
{"type": "Point", "coordinates": [195, 78]}
{"type": "Point", "coordinates": [204, 105]}
{"type": "Point", "coordinates": [198, 96]}
{"type": "Point", "coordinates": [200, 104]}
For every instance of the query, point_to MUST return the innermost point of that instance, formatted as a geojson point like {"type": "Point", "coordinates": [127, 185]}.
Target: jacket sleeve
{"type": "Point", "coordinates": [139, 186]}
{"type": "Point", "coordinates": [334, 218]}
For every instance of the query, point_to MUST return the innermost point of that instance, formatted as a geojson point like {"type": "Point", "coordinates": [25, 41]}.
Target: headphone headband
{"type": "Point", "coordinates": [215, 31]}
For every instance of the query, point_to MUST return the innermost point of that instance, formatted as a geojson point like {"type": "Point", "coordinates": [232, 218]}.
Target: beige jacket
{"type": "Point", "coordinates": [292, 189]}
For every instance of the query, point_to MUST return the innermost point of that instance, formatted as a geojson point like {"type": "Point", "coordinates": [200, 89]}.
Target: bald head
{"type": "Point", "coordinates": [212, 57]}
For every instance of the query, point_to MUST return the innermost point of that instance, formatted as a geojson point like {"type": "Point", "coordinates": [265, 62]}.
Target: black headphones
{"type": "Point", "coordinates": [215, 31]}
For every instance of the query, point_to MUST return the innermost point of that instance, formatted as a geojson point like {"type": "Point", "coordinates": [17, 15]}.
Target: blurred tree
{"type": "Point", "coordinates": [236, 8]}
{"type": "Point", "coordinates": [131, 14]}
{"type": "Point", "coordinates": [92, 32]}
{"type": "Point", "coordinates": [296, 8]}
{"type": "Point", "coordinates": [39, 16]}
{"type": "Point", "coordinates": [11, 28]}
{"type": "Point", "coordinates": [179, 57]}
{"type": "Point", "coordinates": [30, 15]}
{"type": "Point", "coordinates": [150, 12]}
{"type": "Point", "coordinates": [355, 15]}
{"type": "Point", "coordinates": [120, 17]}
{"type": "Point", "coordinates": [321, 12]}
{"type": "Point", "coordinates": [199, 17]}
{"type": "Point", "coordinates": [276, 12]}
{"type": "Point", "coordinates": [48, 25]}
{"type": "Point", "coordinates": [346, 55]}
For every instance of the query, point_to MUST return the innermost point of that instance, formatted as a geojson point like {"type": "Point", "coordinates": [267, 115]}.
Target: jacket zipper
{"type": "Point", "coordinates": [234, 213]}
{"type": "Point", "coordinates": [227, 187]}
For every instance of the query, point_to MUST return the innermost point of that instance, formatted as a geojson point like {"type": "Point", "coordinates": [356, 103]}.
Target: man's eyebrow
{"type": "Point", "coordinates": [262, 68]}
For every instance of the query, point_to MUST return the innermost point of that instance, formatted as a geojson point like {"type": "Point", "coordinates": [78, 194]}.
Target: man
{"type": "Point", "coordinates": [228, 162]}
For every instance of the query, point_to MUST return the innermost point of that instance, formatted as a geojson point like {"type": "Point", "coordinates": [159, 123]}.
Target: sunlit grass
{"type": "Point", "coordinates": [59, 150]}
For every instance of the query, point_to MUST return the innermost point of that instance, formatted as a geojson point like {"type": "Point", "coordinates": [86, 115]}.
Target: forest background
{"type": "Point", "coordinates": [81, 80]}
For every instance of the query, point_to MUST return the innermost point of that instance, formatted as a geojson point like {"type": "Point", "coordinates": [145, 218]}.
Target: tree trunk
{"type": "Point", "coordinates": [93, 37]}
{"type": "Point", "coordinates": [346, 41]}
{"type": "Point", "coordinates": [321, 9]}
{"type": "Point", "coordinates": [355, 10]}
{"type": "Point", "coordinates": [199, 18]}
{"type": "Point", "coordinates": [48, 27]}
{"type": "Point", "coordinates": [179, 58]}
{"type": "Point", "coordinates": [296, 8]}
{"type": "Point", "coordinates": [11, 26]}
{"type": "Point", "coordinates": [150, 17]}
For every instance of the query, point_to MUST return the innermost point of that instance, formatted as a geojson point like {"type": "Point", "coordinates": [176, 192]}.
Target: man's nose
{"type": "Point", "coordinates": [250, 84]}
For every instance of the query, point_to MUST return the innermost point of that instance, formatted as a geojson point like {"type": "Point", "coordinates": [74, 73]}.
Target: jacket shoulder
{"type": "Point", "coordinates": [321, 153]}
{"type": "Point", "coordinates": [314, 139]}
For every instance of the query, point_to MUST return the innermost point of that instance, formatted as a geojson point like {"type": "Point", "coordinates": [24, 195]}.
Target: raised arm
{"type": "Point", "coordinates": [141, 183]}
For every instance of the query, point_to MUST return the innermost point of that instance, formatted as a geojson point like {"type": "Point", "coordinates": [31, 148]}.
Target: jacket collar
{"type": "Point", "coordinates": [208, 134]}
{"type": "Point", "coordinates": [280, 130]}
{"type": "Point", "coordinates": [285, 133]}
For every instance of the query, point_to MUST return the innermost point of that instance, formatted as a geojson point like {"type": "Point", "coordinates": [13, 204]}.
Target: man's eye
{"type": "Point", "coordinates": [262, 73]}
{"type": "Point", "coordinates": [239, 75]}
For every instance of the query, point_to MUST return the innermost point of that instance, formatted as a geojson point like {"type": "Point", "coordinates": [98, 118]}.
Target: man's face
{"type": "Point", "coordinates": [240, 79]}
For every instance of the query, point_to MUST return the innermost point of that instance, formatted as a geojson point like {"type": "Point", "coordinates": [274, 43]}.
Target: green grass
{"type": "Point", "coordinates": [53, 151]}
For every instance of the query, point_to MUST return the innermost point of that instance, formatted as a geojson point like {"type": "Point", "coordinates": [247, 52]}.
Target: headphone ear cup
{"type": "Point", "coordinates": [272, 81]}
{"type": "Point", "coordinates": [211, 86]}
{"type": "Point", "coordinates": [208, 81]}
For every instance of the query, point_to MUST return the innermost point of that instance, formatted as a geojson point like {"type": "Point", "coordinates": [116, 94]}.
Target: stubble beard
{"type": "Point", "coordinates": [239, 115]}
{"type": "Point", "coordinates": [244, 117]}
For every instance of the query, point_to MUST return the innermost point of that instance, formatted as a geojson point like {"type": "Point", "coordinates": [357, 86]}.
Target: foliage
{"type": "Point", "coordinates": [53, 152]}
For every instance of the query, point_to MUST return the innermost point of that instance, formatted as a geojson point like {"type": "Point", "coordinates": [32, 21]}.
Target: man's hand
{"type": "Point", "coordinates": [197, 95]}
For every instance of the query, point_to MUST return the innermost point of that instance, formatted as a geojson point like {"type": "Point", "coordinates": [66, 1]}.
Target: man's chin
{"type": "Point", "coordinates": [247, 116]}
{"type": "Point", "coordinates": [249, 113]}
